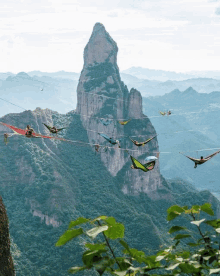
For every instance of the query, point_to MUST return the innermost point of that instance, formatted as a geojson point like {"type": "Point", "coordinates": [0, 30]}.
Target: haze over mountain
{"type": "Point", "coordinates": [193, 125]}
{"type": "Point", "coordinates": [47, 183]}
{"type": "Point", "coordinates": [161, 75]}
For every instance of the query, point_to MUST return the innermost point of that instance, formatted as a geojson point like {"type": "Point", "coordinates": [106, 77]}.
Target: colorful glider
{"type": "Point", "coordinates": [144, 167]}
{"type": "Point", "coordinates": [109, 139]}
{"type": "Point", "coordinates": [105, 122]}
{"type": "Point", "coordinates": [162, 113]}
{"type": "Point", "coordinates": [19, 131]}
{"type": "Point", "coordinates": [150, 159]}
{"type": "Point", "coordinates": [53, 129]}
{"type": "Point", "coordinates": [201, 160]}
{"type": "Point", "coordinates": [124, 122]}
{"type": "Point", "coordinates": [138, 144]}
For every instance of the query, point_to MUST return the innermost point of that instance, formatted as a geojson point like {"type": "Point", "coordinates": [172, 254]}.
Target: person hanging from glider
{"type": "Point", "coordinates": [53, 129]}
{"type": "Point", "coordinates": [138, 144]}
{"type": "Point", "coordinates": [109, 139]}
{"type": "Point", "coordinates": [168, 113]}
{"type": "Point", "coordinates": [29, 131]}
{"type": "Point", "coordinates": [124, 122]}
{"type": "Point", "coordinates": [6, 138]}
{"type": "Point", "coordinates": [202, 159]}
{"type": "Point", "coordinates": [97, 147]}
{"type": "Point", "coordinates": [149, 166]}
{"type": "Point", "coordinates": [162, 113]}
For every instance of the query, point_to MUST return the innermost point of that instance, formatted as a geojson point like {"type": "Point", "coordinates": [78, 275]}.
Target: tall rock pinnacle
{"type": "Point", "coordinates": [101, 95]}
{"type": "Point", "coordinates": [101, 47]}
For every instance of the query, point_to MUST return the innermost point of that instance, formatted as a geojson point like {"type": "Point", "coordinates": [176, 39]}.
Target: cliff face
{"type": "Point", "coordinates": [6, 263]}
{"type": "Point", "coordinates": [102, 94]}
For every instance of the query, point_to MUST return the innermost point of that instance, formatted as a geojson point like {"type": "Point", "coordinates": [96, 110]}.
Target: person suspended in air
{"type": "Point", "coordinates": [6, 138]}
{"type": "Point", "coordinates": [168, 113]}
{"type": "Point", "coordinates": [29, 131]}
{"type": "Point", "coordinates": [110, 139]}
{"type": "Point", "coordinates": [138, 144]}
{"type": "Point", "coordinates": [54, 129]}
{"type": "Point", "coordinates": [144, 167]}
{"type": "Point", "coordinates": [202, 159]}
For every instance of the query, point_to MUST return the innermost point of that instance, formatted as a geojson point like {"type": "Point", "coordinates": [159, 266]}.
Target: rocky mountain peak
{"type": "Point", "coordinates": [101, 95]}
{"type": "Point", "coordinates": [100, 48]}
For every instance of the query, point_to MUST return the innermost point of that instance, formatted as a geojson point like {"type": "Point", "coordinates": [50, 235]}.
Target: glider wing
{"type": "Point", "coordinates": [138, 165]}
{"type": "Point", "coordinates": [124, 123]}
{"type": "Point", "coordinates": [211, 155]}
{"type": "Point", "coordinates": [48, 127]}
{"type": "Point", "coordinates": [162, 113]}
{"type": "Point", "coordinates": [20, 131]}
{"type": "Point", "coordinates": [104, 136]}
{"type": "Point", "coordinates": [142, 143]}
{"type": "Point", "coordinates": [59, 129]}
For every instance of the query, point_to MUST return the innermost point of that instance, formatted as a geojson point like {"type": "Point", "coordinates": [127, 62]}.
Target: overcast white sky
{"type": "Point", "coordinates": [50, 35]}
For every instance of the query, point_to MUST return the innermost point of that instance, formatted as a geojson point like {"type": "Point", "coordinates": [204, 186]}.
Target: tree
{"type": "Point", "coordinates": [194, 250]}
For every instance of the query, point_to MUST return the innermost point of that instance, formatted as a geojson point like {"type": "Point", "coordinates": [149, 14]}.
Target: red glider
{"type": "Point", "coordinates": [20, 131]}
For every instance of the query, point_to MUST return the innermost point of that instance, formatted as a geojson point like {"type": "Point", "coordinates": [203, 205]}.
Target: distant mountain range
{"type": "Point", "coordinates": [193, 125]}
{"type": "Point", "coordinates": [59, 89]}
{"type": "Point", "coordinates": [161, 75]}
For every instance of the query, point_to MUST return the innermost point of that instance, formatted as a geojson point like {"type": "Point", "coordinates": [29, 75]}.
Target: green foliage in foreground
{"type": "Point", "coordinates": [200, 255]}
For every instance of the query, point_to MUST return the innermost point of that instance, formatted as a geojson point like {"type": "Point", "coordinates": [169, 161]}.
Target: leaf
{"type": "Point", "coordinates": [89, 257]}
{"type": "Point", "coordinates": [77, 222]}
{"type": "Point", "coordinates": [182, 236]}
{"type": "Point", "coordinates": [187, 268]}
{"type": "Point", "coordinates": [217, 230]}
{"type": "Point", "coordinates": [175, 208]}
{"type": "Point", "coordinates": [100, 218]}
{"type": "Point", "coordinates": [173, 266]}
{"type": "Point", "coordinates": [175, 229]}
{"type": "Point", "coordinates": [125, 245]}
{"type": "Point", "coordinates": [195, 207]}
{"type": "Point", "coordinates": [173, 212]}
{"type": "Point", "coordinates": [120, 273]}
{"type": "Point", "coordinates": [96, 230]}
{"type": "Point", "coordinates": [214, 270]}
{"type": "Point", "coordinates": [115, 229]}
{"type": "Point", "coordinates": [97, 246]}
{"type": "Point", "coordinates": [214, 223]}
{"type": "Point", "coordinates": [159, 258]}
{"type": "Point", "coordinates": [172, 215]}
{"type": "Point", "coordinates": [69, 235]}
{"type": "Point", "coordinates": [76, 269]}
{"type": "Point", "coordinates": [197, 222]}
{"type": "Point", "coordinates": [207, 209]}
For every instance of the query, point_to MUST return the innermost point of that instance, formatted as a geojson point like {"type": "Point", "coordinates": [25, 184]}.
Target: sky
{"type": "Point", "coordinates": [50, 35]}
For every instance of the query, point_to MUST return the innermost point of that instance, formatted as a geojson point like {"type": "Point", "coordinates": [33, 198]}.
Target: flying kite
{"type": "Point", "coordinates": [109, 139]}
{"type": "Point", "coordinates": [202, 160]}
{"type": "Point", "coordinates": [23, 132]}
{"type": "Point", "coordinates": [54, 129]}
{"type": "Point", "coordinates": [144, 167]}
{"type": "Point", "coordinates": [124, 122]}
{"type": "Point", "coordinates": [138, 144]}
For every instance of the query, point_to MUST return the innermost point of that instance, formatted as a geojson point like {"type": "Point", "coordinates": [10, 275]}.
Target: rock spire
{"type": "Point", "coordinates": [101, 95]}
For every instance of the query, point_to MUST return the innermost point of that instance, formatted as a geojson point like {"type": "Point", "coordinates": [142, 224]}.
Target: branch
{"type": "Point", "coordinates": [109, 247]}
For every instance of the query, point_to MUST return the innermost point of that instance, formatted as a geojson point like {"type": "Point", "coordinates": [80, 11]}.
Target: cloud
{"type": "Point", "coordinates": [113, 14]}
{"type": "Point", "coordinates": [217, 11]}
